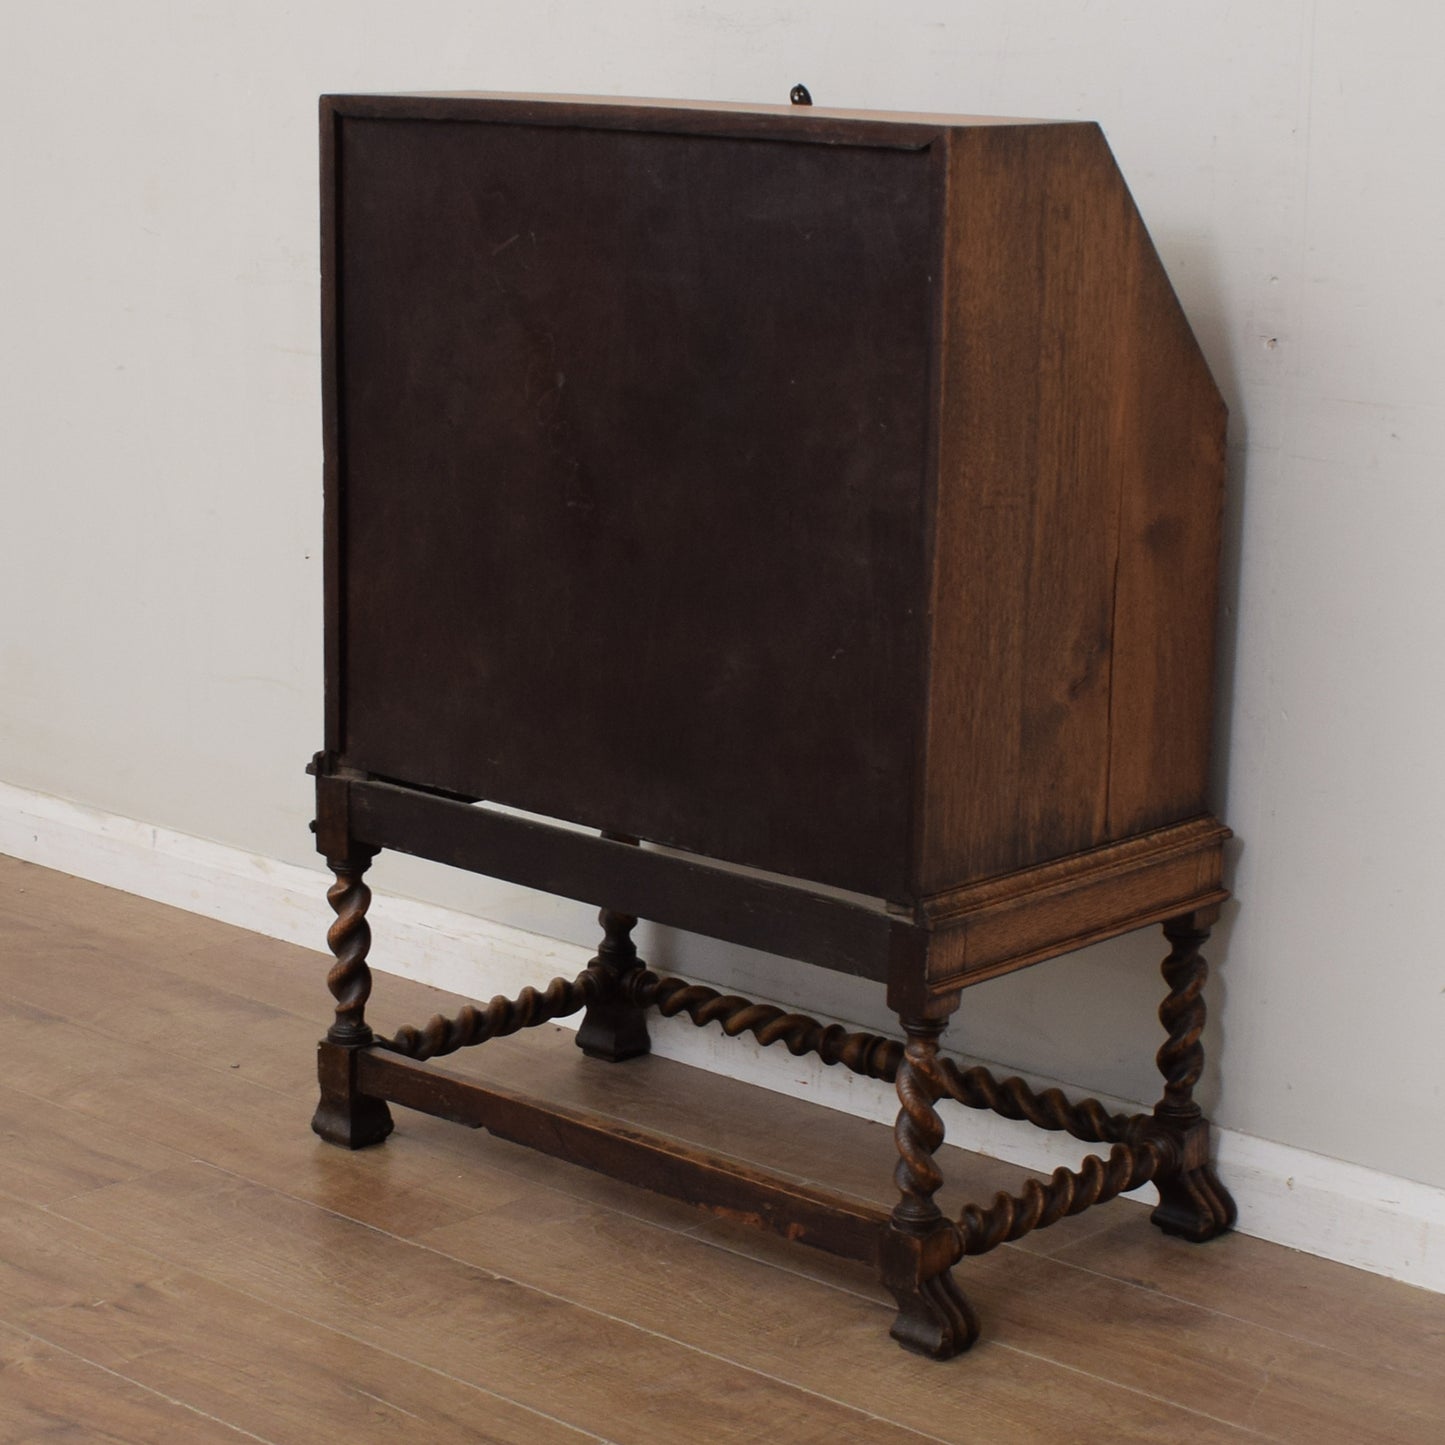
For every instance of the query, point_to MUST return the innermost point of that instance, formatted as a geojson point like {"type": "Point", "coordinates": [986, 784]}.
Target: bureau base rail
{"type": "Point", "coordinates": [727, 1188]}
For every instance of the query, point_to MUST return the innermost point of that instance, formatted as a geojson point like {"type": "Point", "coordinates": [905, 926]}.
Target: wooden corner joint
{"type": "Point", "coordinates": [906, 1256]}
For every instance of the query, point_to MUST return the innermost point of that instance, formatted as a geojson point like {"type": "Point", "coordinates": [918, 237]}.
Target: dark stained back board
{"type": "Point", "coordinates": [628, 469]}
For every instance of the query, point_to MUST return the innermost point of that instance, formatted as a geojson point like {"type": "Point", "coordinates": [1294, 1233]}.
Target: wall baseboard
{"type": "Point", "coordinates": [1327, 1207]}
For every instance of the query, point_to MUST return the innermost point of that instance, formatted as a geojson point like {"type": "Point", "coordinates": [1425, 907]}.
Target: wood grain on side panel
{"type": "Point", "coordinates": [1017, 766]}
{"type": "Point", "coordinates": [1167, 597]}
{"type": "Point", "coordinates": [1077, 427]}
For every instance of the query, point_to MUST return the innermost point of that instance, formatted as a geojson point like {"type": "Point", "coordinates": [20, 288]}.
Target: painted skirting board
{"type": "Point", "coordinates": [1325, 1206]}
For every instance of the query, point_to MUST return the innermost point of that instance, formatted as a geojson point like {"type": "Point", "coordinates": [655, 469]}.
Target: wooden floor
{"type": "Point", "coordinates": [181, 1260]}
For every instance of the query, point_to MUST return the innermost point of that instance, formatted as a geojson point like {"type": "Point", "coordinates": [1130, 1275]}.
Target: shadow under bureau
{"type": "Point", "coordinates": [819, 513]}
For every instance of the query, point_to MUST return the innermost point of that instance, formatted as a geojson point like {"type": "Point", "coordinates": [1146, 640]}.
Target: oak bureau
{"type": "Point", "coordinates": [820, 509]}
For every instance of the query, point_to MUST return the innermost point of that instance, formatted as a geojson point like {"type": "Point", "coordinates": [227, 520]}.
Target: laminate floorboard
{"type": "Point", "coordinates": [48, 1393]}
{"type": "Point", "coordinates": [266, 1370]}
{"type": "Point", "coordinates": [180, 1259]}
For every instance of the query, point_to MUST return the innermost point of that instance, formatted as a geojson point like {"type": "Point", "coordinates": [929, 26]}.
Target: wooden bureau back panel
{"type": "Point", "coordinates": [629, 463]}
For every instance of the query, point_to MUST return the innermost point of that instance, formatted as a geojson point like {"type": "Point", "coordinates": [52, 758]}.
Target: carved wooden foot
{"type": "Point", "coordinates": [613, 1028]}
{"type": "Point", "coordinates": [920, 1246]}
{"type": "Point", "coordinates": [934, 1316]}
{"type": "Point", "coordinates": [1196, 1206]}
{"type": "Point", "coordinates": [1192, 1201]}
{"type": "Point", "coordinates": [344, 1115]}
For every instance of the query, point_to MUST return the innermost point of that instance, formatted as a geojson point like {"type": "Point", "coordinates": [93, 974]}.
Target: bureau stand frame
{"type": "Point", "coordinates": [914, 1245]}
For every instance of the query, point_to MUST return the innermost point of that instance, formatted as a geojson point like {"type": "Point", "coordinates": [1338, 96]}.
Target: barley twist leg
{"type": "Point", "coordinates": [1192, 1201]}
{"type": "Point", "coordinates": [349, 939]}
{"type": "Point", "coordinates": [344, 1115]}
{"type": "Point", "coordinates": [920, 1246]}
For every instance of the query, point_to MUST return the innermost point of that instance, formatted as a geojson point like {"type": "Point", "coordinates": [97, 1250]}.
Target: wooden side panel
{"type": "Point", "coordinates": [1019, 721]}
{"type": "Point", "coordinates": [1075, 408]}
{"type": "Point", "coordinates": [1167, 598]}
{"type": "Point", "coordinates": [330, 430]}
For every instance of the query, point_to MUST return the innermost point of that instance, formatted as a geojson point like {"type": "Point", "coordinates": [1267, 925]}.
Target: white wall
{"type": "Point", "coordinates": [160, 460]}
